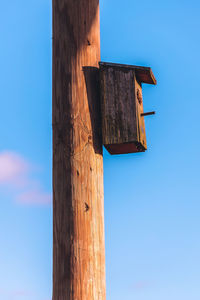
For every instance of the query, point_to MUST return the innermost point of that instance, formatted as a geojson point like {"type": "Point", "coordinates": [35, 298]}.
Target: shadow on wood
{"type": "Point", "coordinates": [91, 75]}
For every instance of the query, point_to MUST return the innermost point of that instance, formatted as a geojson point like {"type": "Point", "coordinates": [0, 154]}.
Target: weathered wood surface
{"type": "Point", "coordinates": [121, 100]}
{"type": "Point", "coordinates": [118, 106]}
{"type": "Point", "coordinates": [78, 212]}
{"type": "Point", "coordinates": [143, 74]}
{"type": "Point", "coordinates": [141, 134]}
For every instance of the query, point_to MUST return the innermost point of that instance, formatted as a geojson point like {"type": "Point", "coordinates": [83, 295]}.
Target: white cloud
{"type": "Point", "coordinates": [34, 197]}
{"type": "Point", "coordinates": [13, 168]}
{"type": "Point", "coordinates": [14, 294]}
{"type": "Point", "coordinates": [15, 175]}
{"type": "Point", "coordinates": [141, 285]}
{"type": "Point", "coordinates": [19, 293]}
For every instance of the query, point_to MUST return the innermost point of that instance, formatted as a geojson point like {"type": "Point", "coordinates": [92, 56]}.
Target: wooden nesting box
{"type": "Point", "coordinates": [123, 127]}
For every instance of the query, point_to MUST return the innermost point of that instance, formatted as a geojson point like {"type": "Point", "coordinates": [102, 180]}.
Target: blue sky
{"type": "Point", "coordinates": [152, 205]}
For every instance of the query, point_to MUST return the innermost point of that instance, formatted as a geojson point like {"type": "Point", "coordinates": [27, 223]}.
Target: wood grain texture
{"type": "Point", "coordinates": [78, 212]}
{"type": "Point", "coordinates": [143, 74]}
{"type": "Point", "coordinates": [118, 106]}
{"type": "Point", "coordinates": [121, 101]}
{"type": "Point", "coordinates": [141, 134]}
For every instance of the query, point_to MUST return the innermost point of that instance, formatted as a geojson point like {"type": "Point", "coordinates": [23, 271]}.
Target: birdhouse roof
{"type": "Point", "coordinates": [143, 74]}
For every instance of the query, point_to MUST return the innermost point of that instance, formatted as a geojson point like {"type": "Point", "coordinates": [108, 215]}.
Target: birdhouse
{"type": "Point", "coordinates": [123, 126]}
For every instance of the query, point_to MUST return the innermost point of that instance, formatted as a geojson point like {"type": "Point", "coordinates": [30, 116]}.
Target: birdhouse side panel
{"type": "Point", "coordinates": [118, 102]}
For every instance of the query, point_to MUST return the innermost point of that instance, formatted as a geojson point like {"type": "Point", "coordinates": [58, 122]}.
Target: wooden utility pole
{"type": "Point", "coordinates": [78, 212]}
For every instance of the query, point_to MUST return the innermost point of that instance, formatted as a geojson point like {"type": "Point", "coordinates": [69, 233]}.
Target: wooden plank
{"type": "Point", "coordinates": [78, 212]}
{"type": "Point", "coordinates": [143, 74]}
{"type": "Point", "coordinates": [118, 106]}
{"type": "Point", "coordinates": [123, 126]}
{"type": "Point", "coordinates": [139, 110]}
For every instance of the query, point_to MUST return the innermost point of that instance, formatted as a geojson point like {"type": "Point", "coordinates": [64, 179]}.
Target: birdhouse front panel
{"type": "Point", "coordinates": [139, 112]}
{"type": "Point", "coordinates": [123, 127]}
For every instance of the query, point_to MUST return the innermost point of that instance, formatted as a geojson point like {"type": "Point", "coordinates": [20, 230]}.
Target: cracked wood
{"type": "Point", "coordinates": [78, 212]}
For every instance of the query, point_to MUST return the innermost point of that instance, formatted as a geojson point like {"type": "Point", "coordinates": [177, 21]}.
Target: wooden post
{"type": "Point", "coordinates": [78, 212]}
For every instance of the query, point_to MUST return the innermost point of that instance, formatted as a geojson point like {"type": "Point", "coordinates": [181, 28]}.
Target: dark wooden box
{"type": "Point", "coordinates": [123, 127]}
